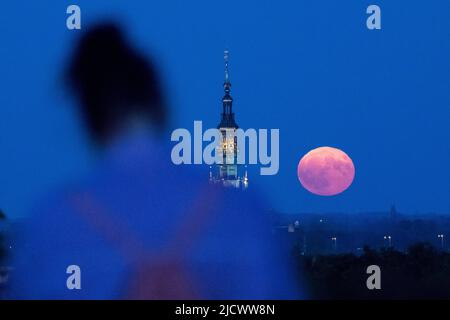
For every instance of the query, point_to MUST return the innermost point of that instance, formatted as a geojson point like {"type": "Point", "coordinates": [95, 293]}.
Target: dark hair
{"type": "Point", "coordinates": [113, 82]}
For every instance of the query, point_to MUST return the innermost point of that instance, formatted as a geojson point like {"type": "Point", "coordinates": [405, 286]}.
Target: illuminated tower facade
{"type": "Point", "coordinates": [228, 173]}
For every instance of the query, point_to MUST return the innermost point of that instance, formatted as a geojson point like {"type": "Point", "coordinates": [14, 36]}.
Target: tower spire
{"type": "Point", "coordinates": [226, 54]}
{"type": "Point", "coordinates": [227, 83]}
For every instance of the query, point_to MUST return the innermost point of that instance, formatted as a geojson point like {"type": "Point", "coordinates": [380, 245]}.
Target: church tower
{"type": "Point", "coordinates": [228, 173]}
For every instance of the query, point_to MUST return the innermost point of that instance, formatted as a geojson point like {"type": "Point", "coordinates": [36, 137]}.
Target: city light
{"type": "Point", "coordinates": [334, 239]}
{"type": "Point", "coordinates": [389, 238]}
{"type": "Point", "coordinates": [441, 236]}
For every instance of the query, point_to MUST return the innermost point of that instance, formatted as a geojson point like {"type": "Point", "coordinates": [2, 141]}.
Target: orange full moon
{"type": "Point", "coordinates": [326, 171]}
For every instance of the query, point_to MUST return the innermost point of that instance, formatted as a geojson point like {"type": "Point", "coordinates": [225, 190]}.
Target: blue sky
{"type": "Point", "coordinates": [310, 68]}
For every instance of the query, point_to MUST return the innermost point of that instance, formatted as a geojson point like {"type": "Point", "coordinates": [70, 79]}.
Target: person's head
{"type": "Point", "coordinates": [114, 84]}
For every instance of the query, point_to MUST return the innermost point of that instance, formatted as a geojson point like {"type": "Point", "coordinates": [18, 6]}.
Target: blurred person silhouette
{"type": "Point", "coordinates": [140, 227]}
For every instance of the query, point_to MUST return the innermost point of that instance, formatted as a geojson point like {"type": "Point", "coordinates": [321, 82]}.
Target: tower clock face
{"type": "Point", "coordinates": [228, 146]}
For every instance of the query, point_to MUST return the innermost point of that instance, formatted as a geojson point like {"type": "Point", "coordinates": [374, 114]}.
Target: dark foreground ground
{"type": "Point", "coordinates": [422, 272]}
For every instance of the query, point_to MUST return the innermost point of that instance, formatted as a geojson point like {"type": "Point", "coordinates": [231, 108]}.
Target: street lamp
{"type": "Point", "coordinates": [441, 236]}
{"type": "Point", "coordinates": [334, 239]}
{"type": "Point", "coordinates": [389, 238]}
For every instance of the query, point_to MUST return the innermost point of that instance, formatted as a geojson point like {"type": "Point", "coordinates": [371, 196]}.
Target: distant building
{"type": "Point", "coordinates": [228, 173]}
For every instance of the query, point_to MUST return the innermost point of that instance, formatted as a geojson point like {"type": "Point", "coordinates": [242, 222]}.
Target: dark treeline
{"type": "Point", "coordinates": [422, 272]}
